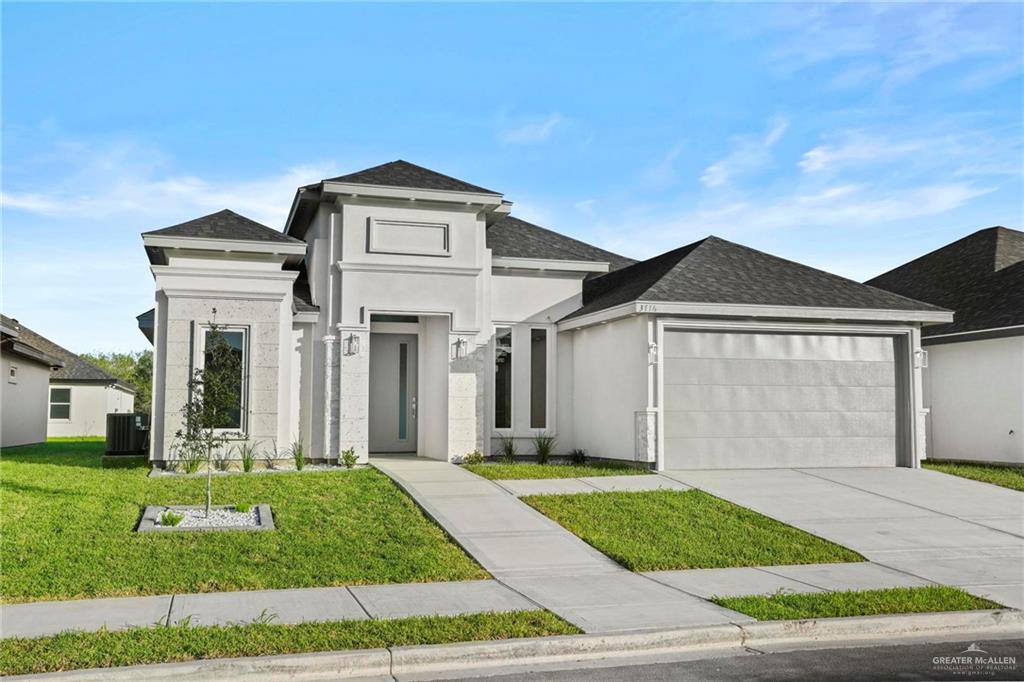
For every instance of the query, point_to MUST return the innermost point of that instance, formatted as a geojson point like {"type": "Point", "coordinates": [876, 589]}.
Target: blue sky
{"type": "Point", "coordinates": [848, 137]}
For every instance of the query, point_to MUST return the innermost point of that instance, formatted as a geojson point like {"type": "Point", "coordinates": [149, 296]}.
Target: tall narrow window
{"type": "Point", "coordinates": [503, 378]}
{"type": "Point", "coordinates": [403, 390]}
{"type": "Point", "coordinates": [224, 358]}
{"type": "Point", "coordinates": [60, 403]}
{"type": "Point", "coordinates": [538, 378]}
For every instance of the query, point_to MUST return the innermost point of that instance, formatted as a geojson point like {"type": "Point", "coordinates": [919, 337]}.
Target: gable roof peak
{"type": "Point", "coordinates": [407, 175]}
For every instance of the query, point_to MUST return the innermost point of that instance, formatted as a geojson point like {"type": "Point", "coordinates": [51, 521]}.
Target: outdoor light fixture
{"type": "Point", "coordinates": [351, 346]}
{"type": "Point", "coordinates": [652, 353]}
{"type": "Point", "coordinates": [459, 348]}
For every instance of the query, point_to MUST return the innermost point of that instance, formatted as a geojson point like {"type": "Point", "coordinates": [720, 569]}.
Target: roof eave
{"type": "Point", "coordinates": [294, 248]}
{"type": "Point", "coordinates": [484, 199]}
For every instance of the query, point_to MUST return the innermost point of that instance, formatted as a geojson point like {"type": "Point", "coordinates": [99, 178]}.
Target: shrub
{"type": "Point", "coordinates": [299, 455]}
{"type": "Point", "coordinates": [189, 456]}
{"type": "Point", "coordinates": [475, 457]}
{"type": "Point", "coordinates": [222, 460]}
{"type": "Point", "coordinates": [247, 453]}
{"type": "Point", "coordinates": [578, 456]}
{"type": "Point", "coordinates": [270, 457]}
{"type": "Point", "coordinates": [543, 444]}
{"type": "Point", "coordinates": [507, 448]}
{"type": "Point", "coordinates": [171, 518]}
{"type": "Point", "coordinates": [348, 458]}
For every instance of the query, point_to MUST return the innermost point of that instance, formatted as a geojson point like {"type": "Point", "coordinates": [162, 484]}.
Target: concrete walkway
{"type": "Point", "coordinates": [539, 559]}
{"type": "Point", "coordinates": [280, 606]}
{"type": "Point", "coordinates": [941, 528]}
{"type": "Point", "coordinates": [589, 484]}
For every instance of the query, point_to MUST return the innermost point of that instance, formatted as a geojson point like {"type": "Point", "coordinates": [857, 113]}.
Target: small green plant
{"type": "Point", "coordinates": [299, 455]}
{"type": "Point", "coordinates": [243, 508]}
{"type": "Point", "coordinates": [188, 455]}
{"type": "Point", "coordinates": [266, 617]}
{"type": "Point", "coordinates": [247, 454]}
{"type": "Point", "coordinates": [475, 457]}
{"type": "Point", "coordinates": [222, 460]}
{"type": "Point", "coordinates": [171, 518]}
{"type": "Point", "coordinates": [543, 444]}
{"type": "Point", "coordinates": [578, 456]}
{"type": "Point", "coordinates": [349, 458]}
{"type": "Point", "coordinates": [271, 456]}
{"type": "Point", "coordinates": [507, 449]}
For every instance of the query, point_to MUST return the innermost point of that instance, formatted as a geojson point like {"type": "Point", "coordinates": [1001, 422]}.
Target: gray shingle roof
{"type": "Point", "coordinates": [75, 368]}
{"type": "Point", "coordinates": [404, 174]}
{"type": "Point", "coordinates": [225, 224]}
{"type": "Point", "coordinates": [714, 270]}
{"type": "Point", "coordinates": [979, 277]}
{"type": "Point", "coordinates": [511, 237]}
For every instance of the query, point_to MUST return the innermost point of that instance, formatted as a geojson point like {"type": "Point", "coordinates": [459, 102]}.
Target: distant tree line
{"type": "Point", "coordinates": [135, 368]}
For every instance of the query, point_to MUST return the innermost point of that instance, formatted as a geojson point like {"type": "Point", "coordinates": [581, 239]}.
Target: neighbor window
{"type": "Point", "coordinates": [233, 355]}
{"type": "Point", "coordinates": [60, 403]}
{"type": "Point", "coordinates": [538, 378]}
{"type": "Point", "coordinates": [503, 378]}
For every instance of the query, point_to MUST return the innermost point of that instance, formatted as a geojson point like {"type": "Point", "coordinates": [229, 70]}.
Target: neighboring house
{"type": "Point", "coordinates": [974, 382]}
{"type": "Point", "coordinates": [25, 387]}
{"type": "Point", "coordinates": [80, 394]}
{"type": "Point", "coordinates": [402, 310]}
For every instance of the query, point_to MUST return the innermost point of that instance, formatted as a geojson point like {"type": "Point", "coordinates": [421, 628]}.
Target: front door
{"type": "Point", "coordinates": [392, 393]}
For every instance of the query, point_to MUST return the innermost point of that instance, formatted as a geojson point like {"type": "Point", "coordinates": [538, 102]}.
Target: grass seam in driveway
{"type": "Point", "coordinates": [660, 530]}
{"type": "Point", "coordinates": [496, 471]}
{"type": "Point", "coordinates": [895, 600]}
{"type": "Point", "coordinates": [175, 643]}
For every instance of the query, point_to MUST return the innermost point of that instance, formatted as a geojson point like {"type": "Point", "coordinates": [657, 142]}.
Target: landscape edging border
{"type": "Point", "coordinates": [147, 524]}
{"type": "Point", "coordinates": [489, 655]}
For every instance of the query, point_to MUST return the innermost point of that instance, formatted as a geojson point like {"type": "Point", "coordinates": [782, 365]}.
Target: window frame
{"type": "Point", "coordinates": [199, 362]}
{"type": "Point", "coordinates": [548, 352]}
{"type": "Point", "coordinates": [51, 403]}
{"type": "Point", "coordinates": [521, 346]}
{"type": "Point", "coordinates": [510, 429]}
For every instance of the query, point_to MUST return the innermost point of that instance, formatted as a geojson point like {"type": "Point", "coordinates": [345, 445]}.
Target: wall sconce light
{"type": "Point", "coordinates": [652, 354]}
{"type": "Point", "coordinates": [459, 348]}
{"type": "Point", "coordinates": [351, 345]}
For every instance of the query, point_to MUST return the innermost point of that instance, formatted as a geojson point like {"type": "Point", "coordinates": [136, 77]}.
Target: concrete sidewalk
{"type": "Point", "coordinates": [281, 606]}
{"type": "Point", "coordinates": [536, 557]}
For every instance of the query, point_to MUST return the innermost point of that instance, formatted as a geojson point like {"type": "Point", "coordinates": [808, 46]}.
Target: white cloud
{"type": "Point", "coordinates": [533, 132]}
{"type": "Point", "coordinates": [748, 154]}
{"type": "Point", "coordinates": [663, 173]}
{"type": "Point", "coordinates": [853, 149]}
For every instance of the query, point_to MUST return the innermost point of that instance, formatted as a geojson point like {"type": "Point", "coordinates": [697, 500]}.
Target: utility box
{"type": "Point", "coordinates": [127, 433]}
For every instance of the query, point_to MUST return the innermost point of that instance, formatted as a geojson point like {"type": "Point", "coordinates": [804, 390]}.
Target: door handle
{"type": "Point", "coordinates": [414, 407]}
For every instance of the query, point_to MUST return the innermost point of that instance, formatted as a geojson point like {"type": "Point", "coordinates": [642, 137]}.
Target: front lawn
{"type": "Point", "coordinates": [530, 470]}
{"type": "Point", "coordinates": [663, 530]}
{"type": "Point", "coordinates": [104, 649]}
{"type": "Point", "coordinates": [1007, 477]}
{"type": "Point", "coordinates": [66, 531]}
{"type": "Point", "coordinates": [862, 603]}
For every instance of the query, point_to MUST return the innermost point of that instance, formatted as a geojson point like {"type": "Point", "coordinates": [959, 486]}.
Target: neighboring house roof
{"type": "Point", "coordinates": [714, 270]}
{"type": "Point", "coordinates": [408, 175]}
{"type": "Point", "coordinates": [225, 224]}
{"type": "Point", "coordinates": [11, 333]}
{"type": "Point", "coordinates": [511, 237]}
{"type": "Point", "coordinates": [979, 277]}
{"type": "Point", "coordinates": [75, 368]}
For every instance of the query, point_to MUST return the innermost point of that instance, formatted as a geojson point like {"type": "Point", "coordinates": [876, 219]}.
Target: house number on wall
{"type": "Point", "coordinates": [647, 308]}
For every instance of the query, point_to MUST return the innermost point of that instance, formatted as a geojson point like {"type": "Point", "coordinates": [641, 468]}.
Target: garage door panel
{"type": "Point", "coordinates": [738, 453]}
{"type": "Point", "coordinates": [779, 424]}
{"type": "Point", "coordinates": [746, 398]}
{"type": "Point", "coordinates": [747, 372]}
{"type": "Point", "coordinates": [781, 347]}
{"type": "Point", "coordinates": [734, 399]}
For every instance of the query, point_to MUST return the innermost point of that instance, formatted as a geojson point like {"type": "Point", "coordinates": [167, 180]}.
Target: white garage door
{"type": "Point", "coordinates": [736, 400]}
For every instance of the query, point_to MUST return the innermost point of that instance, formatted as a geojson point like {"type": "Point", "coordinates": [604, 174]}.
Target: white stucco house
{"type": "Point", "coordinates": [25, 388]}
{"type": "Point", "coordinates": [402, 310]}
{"type": "Point", "coordinates": [974, 381]}
{"type": "Point", "coordinates": [80, 394]}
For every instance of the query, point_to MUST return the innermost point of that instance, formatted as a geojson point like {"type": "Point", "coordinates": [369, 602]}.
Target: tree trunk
{"type": "Point", "coordinates": [209, 476]}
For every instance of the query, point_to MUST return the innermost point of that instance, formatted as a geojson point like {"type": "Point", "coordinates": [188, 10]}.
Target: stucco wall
{"type": "Point", "coordinates": [975, 391]}
{"type": "Point", "coordinates": [24, 404]}
{"type": "Point", "coordinates": [90, 404]}
{"type": "Point", "coordinates": [609, 386]}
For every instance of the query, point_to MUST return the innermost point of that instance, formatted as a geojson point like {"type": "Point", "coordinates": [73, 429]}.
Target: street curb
{"type": "Point", "coordinates": [493, 655]}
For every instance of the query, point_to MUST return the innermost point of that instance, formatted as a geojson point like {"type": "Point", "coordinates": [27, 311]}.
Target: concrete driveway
{"type": "Point", "coordinates": [935, 526]}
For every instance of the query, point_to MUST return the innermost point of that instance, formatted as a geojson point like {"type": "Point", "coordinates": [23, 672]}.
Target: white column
{"type": "Point", "coordinates": [465, 395]}
{"type": "Point", "coordinates": [330, 362]}
{"type": "Point", "coordinates": [353, 393]}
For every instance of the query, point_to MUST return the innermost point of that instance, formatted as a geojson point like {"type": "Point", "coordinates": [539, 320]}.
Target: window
{"type": "Point", "coordinates": [403, 390]}
{"type": "Point", "coordinates": [538, 378]}
{"type": "Point", "coordinates": [60, 403]}
{"type": "Point", "coordinates": [503, 378]}
{"type": "Point", "coordinates": [12, 374]}
{"type": "Point", "coordinates": [225, 354]}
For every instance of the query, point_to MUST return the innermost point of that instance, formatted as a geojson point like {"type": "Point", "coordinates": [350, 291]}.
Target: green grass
{"type": "Point", "coordinates": [667, 529]}
{"type": "Point", "coordinates": [66, 531]}
{"type": "Point", "coordinates": [1007, 477]}
{"type": "Point", "coordinates": [76, 650]}
{"type": "Point", "coordinates": [529, 470]}
{"type": "Point", "coordinates": [856, 603]}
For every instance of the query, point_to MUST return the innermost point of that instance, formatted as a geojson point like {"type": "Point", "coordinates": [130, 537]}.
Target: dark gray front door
{"type": "Point", "coordinates": [393, 393]}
